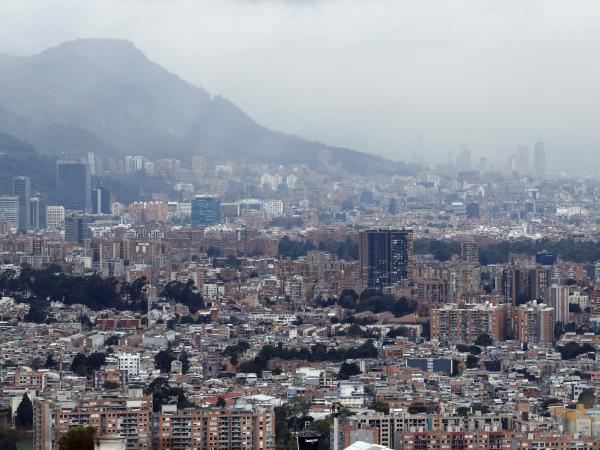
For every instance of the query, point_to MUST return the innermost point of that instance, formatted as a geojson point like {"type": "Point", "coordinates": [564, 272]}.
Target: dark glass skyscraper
{"type": "Point", "coordinates": [76, 228]}
{"type": "Point", "coordinates": [206, 211]}
{"type": "Point", "coordinates": [100, 200]}
{"type": "Point", "coordinates": [22, 189]}
{"type": "Point", "coordinates": [385, 257]}
{"type": "Point", "coordinates": [74, 185]}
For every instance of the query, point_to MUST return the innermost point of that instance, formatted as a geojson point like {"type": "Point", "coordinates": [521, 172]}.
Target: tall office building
{"type": "Point", "coordinates": [523, 160]}
{"type": "Point", "coordinates": [22, 189]}
{"type": "Point", "coordinates": [540, 160]}
{"type": "Point", "coordinates": [101, 200]}
{"type": "Point", "coordinates": [38, 211]}
{"type": "Point", "coordinates": [559, 300]}
{"type": "Point", "coordinates": [386, 257]}
{"type": "Point", "coordinates": [206, 211]}
{"type": "Point", "coordinates": [76, 228]}
{"type": "Point", "coordinates": [9, 210]}
{"type": "Point", "coordinates": [74, 185]}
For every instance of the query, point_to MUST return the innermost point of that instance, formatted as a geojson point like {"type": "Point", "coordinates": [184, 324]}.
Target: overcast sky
{"type": "Point", "coordinates": [368, 74]}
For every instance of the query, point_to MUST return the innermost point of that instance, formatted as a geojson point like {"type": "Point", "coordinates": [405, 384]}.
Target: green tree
{"type": "Point", "coordinates": [78, 438]}
{"type": "Point", "coordinates": [8, 439]}
{"type": "Point", "coordinates": [185, 361]}
{"type": "Point", "coordinates": [38, 311]}
{"type": "Point", "coordinates": [50, 362]}
{"type": "Point", "coordinates": [574, 308]}
{"type": "Point", "coordinates": [283, 436]}
{"type": "Point", "coordinates": [163, 360]}
{"type": "Point", "coordinates": [112, 340]}
{"type": "Point", "coordinates": [220, 402]}
{"type": "Point", "coordinates": [558, 330]}
{"type": "Point", "coordinates": [381, 407]}
{"type": "Point", "coordinates": [426, 333]}
{"type": "Point", "coordinates": [484, 340]}
{"type": "Point", "coordinates": [184, 293]}
{"type": "Point", "coordinates": [355, 331]}
{"type": "Point", "coordinates": [347, 370]}
{"type": "Point", "coordinates": [572, 349]}
{"type": "Point", "coordinates": [472, 361]}
{"type": "Point", "coordinates": [85, 366]}
{"type": "Point", "coordinates": [323, 427]}
{"type": "Point", "coordinates": [24, 417]}
{"type": "Point", "coordinates": [587, 397]}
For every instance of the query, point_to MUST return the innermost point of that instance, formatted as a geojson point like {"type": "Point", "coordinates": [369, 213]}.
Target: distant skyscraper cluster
{"type": "Point", "coordinates": [520, 163]}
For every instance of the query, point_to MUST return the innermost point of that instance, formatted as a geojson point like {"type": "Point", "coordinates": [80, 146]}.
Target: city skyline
{"type": "Point", "coordinates": [299, 225]}
{"type": "Point", "coordinates": [383, 105]}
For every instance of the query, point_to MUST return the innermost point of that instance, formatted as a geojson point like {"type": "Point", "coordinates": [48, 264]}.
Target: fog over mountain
{"type": "Point", "coordinates": [387, 77]}
{"type": "Point", "coordinates": [104, 95]}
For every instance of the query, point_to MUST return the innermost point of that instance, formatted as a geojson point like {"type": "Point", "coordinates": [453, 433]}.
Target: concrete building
{"type": "Point", "coordinates": [129, 362]}
{"type": "Point", "coordinates": [533, 322]}
{"type": "Point", "coordinates": [215, 428]}
{"type": "Point", "coordinates": [9, 210]}
{"type": "Point", "coordinates": [55, 217]}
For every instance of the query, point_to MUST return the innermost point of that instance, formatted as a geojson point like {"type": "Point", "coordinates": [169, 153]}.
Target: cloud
{"type": "Point", "coordinates": [374, 75]}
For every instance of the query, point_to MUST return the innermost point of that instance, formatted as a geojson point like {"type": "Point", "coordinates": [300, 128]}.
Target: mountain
{"type": "Point", "coordinates": [105, 96]}
{"type": "Point", "coordinates": [19, 158]}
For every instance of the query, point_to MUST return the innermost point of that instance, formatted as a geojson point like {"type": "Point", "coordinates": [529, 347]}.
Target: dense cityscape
{"type": "Point", "coordinates": [253, 305]}
{"type": "Point", "coordinates": [299, 225]}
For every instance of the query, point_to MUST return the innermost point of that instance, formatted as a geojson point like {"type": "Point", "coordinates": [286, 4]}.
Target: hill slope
{"type": "Point", "coordinates": [105, 96]}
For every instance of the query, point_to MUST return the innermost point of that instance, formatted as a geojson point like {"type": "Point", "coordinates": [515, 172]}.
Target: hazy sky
{"type": "Point", "coordinates": [369, 74]}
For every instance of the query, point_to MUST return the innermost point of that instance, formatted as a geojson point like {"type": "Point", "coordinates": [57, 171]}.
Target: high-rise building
{"type": "Point", "coordinates": [134, 163]}
{"type": "Point", "coordinates": [130, 418]}
{"type": "Point", "coordinates": [148, 212]}
{"type": "Point", "coordinates": [469, 252]}
{"type": "Point", "coordinates": [198, 165]}
{"type": "Point", "coordinates": [533, 322]}
{"type": "Point", "coordinates": [91, 160]}
{"type": "Point", "coordinates": [9, 210]}
{"type": "Point", "coordinates": [291, 181]}
{"type": "Point", "coordinates": [74, 185]}
{"type": "Point", "coordinates": [386, 257]}
{"type": "Point", "coordinates": [559, 300]}
{"type": "Point", "coordinates": [214, 428]}
{"type": "Point", "coordinates": [206, 211]}
{"type": "Point", "coordinates": [464, 324]}
{"type": "Point", "coordinates": [101, 200]}
{"type": "Point", "coordinates": [393, 206]}
{"type": "Point", "coordinates": [540, 160]}
{"type": "Point", "coordinates": [22, 189]}
{"type": "Point", "coordinates": [523, 160]}
{"type": "Point", "coordinates": [55, 217]}
{"type": "Point", "coordinates": [76, 228]}
{"type": "Point", "coordinates": [38, 211]}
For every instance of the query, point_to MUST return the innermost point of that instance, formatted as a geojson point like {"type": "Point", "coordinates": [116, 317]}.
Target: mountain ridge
{"type": "Point", "coordinates": [106, 96]}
